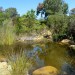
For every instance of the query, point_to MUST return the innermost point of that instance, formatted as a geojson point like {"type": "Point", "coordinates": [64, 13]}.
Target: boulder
{"type": "Point", "coordinates": [65, 41]}
{"type": "Point", "coordinates": [47, 70]}
{"type": "Point", "coordinates": [72, 47]}
{"type": "Point", "coordinates": [47, 34]}
{"type": "Point", "coordinates": [5, 69]}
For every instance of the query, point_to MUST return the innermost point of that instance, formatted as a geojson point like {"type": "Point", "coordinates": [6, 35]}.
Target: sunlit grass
{"type": "Point", "coordinates": [20, 64]}
{"type": "Point", "coordinates": [7, 34]}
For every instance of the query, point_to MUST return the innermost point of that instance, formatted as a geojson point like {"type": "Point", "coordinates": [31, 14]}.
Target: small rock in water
{"type": "Point", "coordinates": [3, 65]}
{"type": "Point", "coordinates": [5, 69]}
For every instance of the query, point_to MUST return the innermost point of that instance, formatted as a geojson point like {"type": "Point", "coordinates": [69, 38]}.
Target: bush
{"type": "Point", "coordinates": [71, 27]}
{"type": "Point", "coordinates": [58, 24]}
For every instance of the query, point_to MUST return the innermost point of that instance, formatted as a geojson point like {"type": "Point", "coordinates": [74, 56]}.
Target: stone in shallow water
{"type": "Point", "coordinates": [47, 70]}
{"type": "Point", "coordinates": [3, 65]}
{"type": "Point", "coordinates": [5, 69]}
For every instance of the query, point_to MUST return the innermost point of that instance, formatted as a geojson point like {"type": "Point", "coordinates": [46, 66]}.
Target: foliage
{"type": "Point", "coordinates": [7, 33]}
{"type": "Point", "coordinates": [18, 26]}
{"type": "Point", "coordinates": [50, 7]}
{"type": "Point", "coordinates": [72, 11]}
{"type": "Point", "coordinates": [56, 21]}
{"type": "Point", "coordinates": [2, 17]}
{"type": "Point", "coordinates": [29, 23]}
{"type": "Point", "coordinates": [58, 24]}
{"type": "Point", "coordinates": [28, 19]}
{"type": "Point", "coordinates": [11, 12]}
{"type": "Point", "coordinates": [71, 27]}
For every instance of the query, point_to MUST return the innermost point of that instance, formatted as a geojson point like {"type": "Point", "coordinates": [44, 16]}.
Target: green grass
{"type": "Point", "coordinates": [20, 65]}
{"type": "Point", "coordinates": [18, 60]}
{"type": "Point", "coordinates": [7, 34]}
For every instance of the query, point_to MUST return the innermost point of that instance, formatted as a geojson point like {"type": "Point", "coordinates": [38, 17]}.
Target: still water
{"type": "Point", "coordinates": [41, 54]}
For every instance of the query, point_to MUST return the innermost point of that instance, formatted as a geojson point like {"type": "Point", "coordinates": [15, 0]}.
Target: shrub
{"type": "Point", "coordinates": [71, 27]}
{"type": "Point", "coordinates": [58, 24]}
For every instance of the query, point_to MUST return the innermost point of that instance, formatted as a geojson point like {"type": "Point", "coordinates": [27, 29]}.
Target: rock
{"type": "Point", "coordinates": [48, 35]}
{"type": "Point", "coordinates": [47, 32]}
{"type": "Point", "coordinates": [65, 41]}
{"type": "Point", "coordinates": [9, 68]}
{"type": "Point", "coordinates": [3, 65]}
{"type": "Point", "coordinates": [47, 70]}
{"type": "Point", "coordinates": [5, 69]}
{"type": "Point", "coordinates": [72, 47]}
{"type": "Point", "coordinates": [38, 38]}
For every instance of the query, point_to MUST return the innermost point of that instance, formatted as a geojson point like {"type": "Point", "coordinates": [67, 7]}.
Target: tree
{"type": "Point", "coordinates": [11, 12]}
{"type": "Point", "coordinates": [2, 15]}
{"type": "Point", "coordinates": [18, 25]}
{"type": "Point", "coordinates": [58, 25]}
{"type": "Point", "coordinates": [72, 11]}
{"type": "Point", "coordinates": [50, 7]}
{"type": "Point", "coordinates": [26, 22]}
{"type": "Point", "coordinates": [71, 27]}
{"type": "Point", "coordinates": [29, 19]}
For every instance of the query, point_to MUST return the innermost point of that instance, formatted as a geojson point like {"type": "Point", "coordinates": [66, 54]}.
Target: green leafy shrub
{"type": "Point", "coordinates": [58, 24]}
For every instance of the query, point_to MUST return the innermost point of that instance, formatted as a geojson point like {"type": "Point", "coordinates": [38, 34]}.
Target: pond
{"type": "Point", "coordinates": [41, 54]}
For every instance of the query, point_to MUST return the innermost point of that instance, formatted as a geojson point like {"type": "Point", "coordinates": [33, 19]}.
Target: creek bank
{"type": "Point", "coordinates": [70, 45]}
{"type": "Point", "coordinates": [36, 38]}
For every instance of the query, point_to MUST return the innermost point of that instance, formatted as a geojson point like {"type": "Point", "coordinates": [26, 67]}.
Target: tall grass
{"type": "Point", "coordinates": [20, 65]}
{"type": "Point", "coordinates": [7, 34]}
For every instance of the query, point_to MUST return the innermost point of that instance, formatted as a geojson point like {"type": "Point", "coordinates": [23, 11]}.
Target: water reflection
{"type": "Point", "coordinates": [67, 69]}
